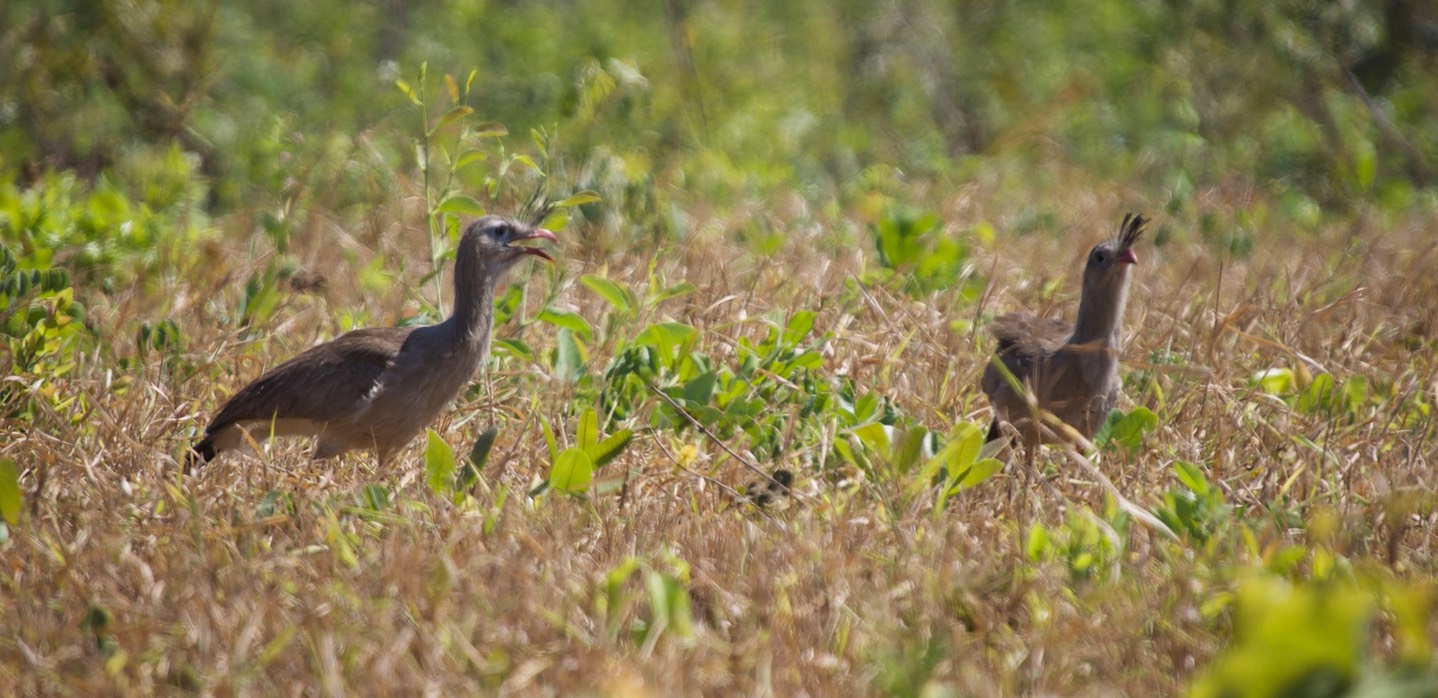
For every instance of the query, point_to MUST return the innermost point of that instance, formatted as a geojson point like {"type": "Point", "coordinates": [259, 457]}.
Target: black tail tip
{"type": "Point", "coordinates": [198, 455]}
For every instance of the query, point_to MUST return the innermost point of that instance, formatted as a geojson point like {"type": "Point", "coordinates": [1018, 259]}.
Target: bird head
{"type": "Point", "coordinates": [1109, 261]}
{"type": "Point", "coordinates": [494, 238]}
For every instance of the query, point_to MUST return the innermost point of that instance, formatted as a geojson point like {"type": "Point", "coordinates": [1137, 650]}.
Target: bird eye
{"type": "Point", "coordinates": [1099, 256]}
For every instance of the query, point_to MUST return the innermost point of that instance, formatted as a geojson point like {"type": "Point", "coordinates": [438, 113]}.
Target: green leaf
{"type": "Point", "coordinates": [1317, 396]}
{"type": "Point", "coordinates": [579, 198]}
{"type": "Point", "coordinates": [683, 288]}
{"type": "Point", "coordinates": [516, 348]}
{"type": "Point", "coordinates": [699, 390]}
{"type": "Point", "coordinates": [557, 220]}
{"type": "Point", "coordinates": [572, 320]}
{"type": "Point", "coordinates": [340, 544]}
{"type": "Point", "coordinates": [1105, 432]}
{"type": "Point", "coordinates": [799, 326]}
{"type": "Point", "coordinates": [875, 436]}
{"type": "Point", "coordinates": [573, 471]}
{"type": "Point", "coordinates": [568, 356]}
{"type": "Point", "coordinates": [1191, 476]}
{"type": "Point", "coordinates": [587, 434]}
{"type": "Point", "coordinates": [666, 337]}
{"type": "Point", "coordinates": [10, 500]}
{"type": "Point", "coordinates": [1275, 381]}
{"type": "Point", "coordinates": [461, 205]}
{"type": "Point", "coordinates": [478, 456]}
{"type": "Point", "coordinates": [490, 129]}
{"type": "Point", "coordinates": [439, 463]}
{"type": "Point", "coordinates": [909, 449]}
{"type": "Point", "coordinates": [1130, 430]}
{"type": "Point", "coordinates": [610, 448]}
{"type": "Point", "coordinates": [451, 116]}
{"type": "Point", "coordinates": [468, 158]}
{"type": "Point", "coordinates": [376, 497]}
{"type": "Point", "coordinates": [408, 91]}
{"type": "Point", "coordinates": [979, 472]}
{"type": "Point", "coordinates": [549, 438]}
{"type": "Point", "coordinates": [1037, 543]}
{"type": "Point", "coordinates": [618, 296]}
{"type": "Point", "coordinates": [1355, 394]}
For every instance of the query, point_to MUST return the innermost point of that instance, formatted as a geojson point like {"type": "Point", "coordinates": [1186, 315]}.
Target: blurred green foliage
{"type": "Point", "coordinates": [1328, 100]}
{"type": "Point", "coordinates": [1314, 639]}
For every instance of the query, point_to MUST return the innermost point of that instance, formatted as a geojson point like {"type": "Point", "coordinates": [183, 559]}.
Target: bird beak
{"type": "Point", "coordinates": [1127, 257]}
{"type": "Point", "coordinates": [538, 234]}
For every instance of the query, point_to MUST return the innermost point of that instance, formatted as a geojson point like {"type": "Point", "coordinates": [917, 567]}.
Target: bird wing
{"type": "Point", "coordinates": [325, 383]}
{"type": "Point", "coordinates": [1023, 340]}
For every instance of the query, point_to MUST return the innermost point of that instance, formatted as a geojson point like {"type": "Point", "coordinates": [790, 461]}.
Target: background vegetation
{"type": "Point", "coordinates": [800, 216]}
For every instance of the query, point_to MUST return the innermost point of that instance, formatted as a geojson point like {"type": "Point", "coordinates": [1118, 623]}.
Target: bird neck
{"type": "Point", "coordinates": [1100, 315]}
{"type": "Point", "coordinates": [473, 314]}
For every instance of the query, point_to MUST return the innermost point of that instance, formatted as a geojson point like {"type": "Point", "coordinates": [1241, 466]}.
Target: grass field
{"type": "Point", "coordinates": [274, 574]}
{"type": "Point", "coordinates": [783, 228]}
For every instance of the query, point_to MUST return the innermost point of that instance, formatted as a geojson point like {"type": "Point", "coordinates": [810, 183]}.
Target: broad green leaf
{"type": "Point", "coordinates": [1275, 381]}
{"type": "Point", "coordinates": [566, 318]}
{"type": "Point", "coordinates": [10, 499]}
{"type": "Point", "coordinates": [587, 434]}
{"type": "Point", "coordinates": [516, 348]}
{"type": "Point", "coordinates": [980, 471]}
{"type": "Point", "coordinates": [1105, 432]}
{"type": "Point", "coordinates": [910, 449]}
{"type": "Point", "coordinates": [799, 326]}
{"type": "Point", "coordinates": [451, 116]}
{"type": "Point", "coordinates": [876, 437]}
{"type": "Point", "coordinates": [1355, 394]}
{"type": "Point", "coordinates": [478, 456]}
{"type": "Point", "coordinates": [621, 298]}
{"type": "Point", "coordinates": [439, 463]}
{"type": "Point", "coordinates": [573, 471]}
{"type": "Point", "coordinates": [1130, 430]}
{"type": "Point", "coordinates": [1317, 396]}
{"type": "Point", "coordinates": [468, 158]}
{"type": "Point", "coordinates": [967, 439]}
{"type": "Point", "coordinates": [1191, 476]}
{"type": "Point", "coordinates": [558, 219]}
{"type": "Point", "coordinates": [568, 356]}
{"type": "Point", "coordinates": [579, 198]}
{"type": "Point", "coordinates": [683, 288]}
{"type": "Point", "coordinates": [610, 448]}
{"type": "Point", "coordinates": [461, 205]}
{"type": "Point", "coordinates": [1037, 543]}
{"type": "Point", "coordinates": [700, 389]}
{"type": "Point", "coordinates": [666, 337]}
{"type": "Point", "coordinates": [490, 129]}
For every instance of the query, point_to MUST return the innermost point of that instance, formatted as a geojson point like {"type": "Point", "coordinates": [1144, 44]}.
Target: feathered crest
{"type": "Point", "coordinates": [1130, 230]}
{"type": "Point", "coordinates": [538, 206]}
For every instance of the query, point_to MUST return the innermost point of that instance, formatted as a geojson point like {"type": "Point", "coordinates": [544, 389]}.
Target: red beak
{"type": "Point", "coordinates": [1127, 257]}
{"type": "Point", "coordinates": [538, 234]}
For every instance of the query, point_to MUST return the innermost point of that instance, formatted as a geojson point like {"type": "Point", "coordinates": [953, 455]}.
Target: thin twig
{"type": "Point", "coordinates": [709, 434]}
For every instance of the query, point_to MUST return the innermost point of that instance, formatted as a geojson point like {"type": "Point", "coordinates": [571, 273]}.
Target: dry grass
{"type": "Point", "coordinates": [204, 587]}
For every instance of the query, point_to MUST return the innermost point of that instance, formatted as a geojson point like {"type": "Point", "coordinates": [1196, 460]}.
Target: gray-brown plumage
{"type": "Point", "coordinates": [1072, 370]}
{"type": "Point", "coordinates": [376, 388]}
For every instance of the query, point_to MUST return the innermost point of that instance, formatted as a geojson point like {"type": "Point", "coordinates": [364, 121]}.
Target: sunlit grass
{"type": "Point", "coordinates": [272, 574]}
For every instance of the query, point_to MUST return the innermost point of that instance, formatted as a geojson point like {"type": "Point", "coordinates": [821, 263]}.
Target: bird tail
{"type": "Point", "coordinates": [994, 432]}
{"type": "Point", "coordinates": [200, 453]}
